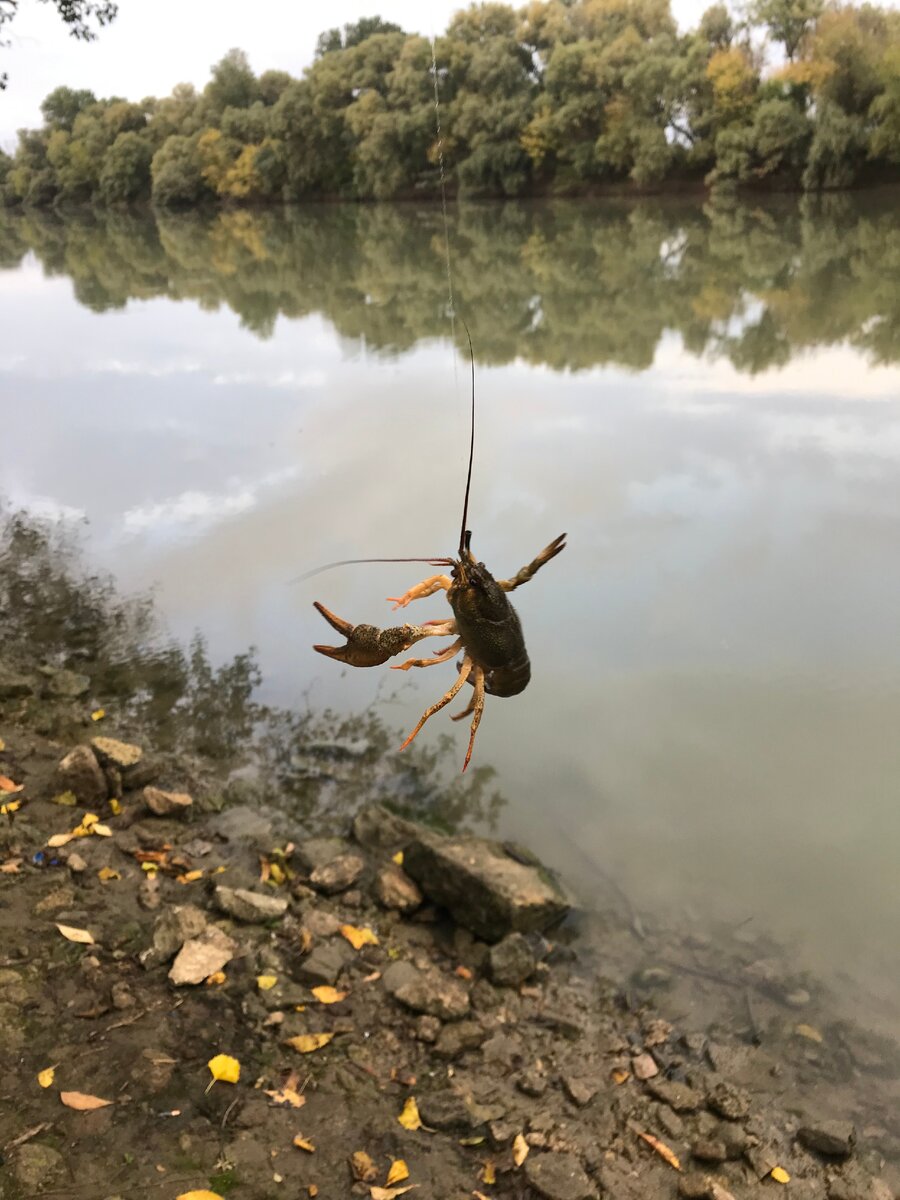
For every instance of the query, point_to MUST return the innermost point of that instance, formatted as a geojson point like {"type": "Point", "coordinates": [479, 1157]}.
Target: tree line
{"type": "Point", "coordinates": [559, 96]}
{"type": "Point", "coordinates": [568, 284]}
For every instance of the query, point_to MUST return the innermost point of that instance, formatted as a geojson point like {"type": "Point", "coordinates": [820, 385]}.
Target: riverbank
{"type": "Point", "coordinates": [398, 1001]}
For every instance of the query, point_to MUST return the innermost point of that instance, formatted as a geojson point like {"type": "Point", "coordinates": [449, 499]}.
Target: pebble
{"type": "Point", "coordinates": [558, 1177]}
{"type": "Point", "coordinates": [76, 863]}
{"type": "Point", "coordinates": [430, 991]}
{"type": "Point", "coordinates": [833, 1138]}
{"type": "Point", "coordinates": [455, 1039]}
{"type": "Point", "coordinates": [644, 1066]}
{"type": "Point", "coordinates": [202, 956]}
{"type": "Point", "coordinates": [323, 964]}
{"type": "Point", "coordinates": [580, 1091]}
{"type": "Point", "coordinates": [337, 875]}
{"type": "Point", "coordinates": [117, 754]}
{"type": "Point", "coordinates": [511, 961]}
{"type": "Point", "coordinates": [36, 1166]}
{"type": "Point", "coordinates": [678, 1096]}
{"type": "Point", "coordinates": [165, 804]}
{"type": "Point", "coordinates": [532, 1083]}
{"type": "Point", "coordinates": [729, 1102]}
{"type": "Point", "coordinates": [249, 906]}
{"type": "Point", "coordinates": [79, 772]}
{"type": "Point", "coordinates": [394, 889]}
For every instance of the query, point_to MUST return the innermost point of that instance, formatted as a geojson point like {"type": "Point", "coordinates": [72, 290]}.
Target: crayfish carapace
{"type": "Point", "coordinates": [485, 625]}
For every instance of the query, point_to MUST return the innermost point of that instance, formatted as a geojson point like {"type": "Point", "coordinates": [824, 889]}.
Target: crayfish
{"type": "Point", "coordinates": [485, 625]}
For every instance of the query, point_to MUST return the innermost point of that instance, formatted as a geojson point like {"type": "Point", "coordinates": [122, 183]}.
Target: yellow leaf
{"type": "Point", "coordinates": [306, 1043]}
{"type": "Point", "coordinates": [398, 1172]}
{"type": "Point", "coordinates": [45, 1077]}
{"type": "Point", "coordinates": [2, 744]}
{"type": "Point", "coordinates": [82, 1102]}
{"type": "Point", "coordinates": [359, 937]}
{"type": "Point", "coordinates": [303, 1143]}
{"type": "Point", "coordinates": [214, 979]}
{"type": "Point", "coordinates": [409, 1118]}
{"type": "Point", "coordinates": [276, 873]}
{"type": "Point", "coordinates": [619, 1075]}
{"type": "Point", "coordinates": [661, 1149]}
{"type": "Point", "coordinates": [189, 877]}
{"type": "Point", "coordinates": [225, 1068]}
{"type": "Point", "coordinates": [76, 935]}
{"type": "Point", "coordinates": [106, 874]}
{"type": "Point", "coordinates": [266, 982]}
{"type": "Point", "coordinates": [808, 1031]}
{"type": "Point", "coordinates": [202, 1194]}
{"type": "Point", "coordinates": [59, 839]}
{"type": "Point", "coordinates": [69, 799]}
{"type": "Point", "coordinates": [11, 866]}
{"type": "Point", "coordinates": [780, 1175]}
{"type": "Point", "coordinates": [9, 809]}
{"type": "Point", "coordinates": [520, 1150]}
{"type": "Point", "coordinates": [398, 858]}
{"type": "Point", "coordinates": [287, 1095]}
{"type": "Point", "coordinates": [328, 995]}
{"type": "Point", "coordinates": [312, 1190]}
{"type": "Point", "coordinates": [102, 830]}
{"type": "Point", "coordinates": [98, 714]}
{"type": "Point", "coordinates": [7, 785]}
{"type": "Point", "coordinates": [380, 1193]}
{"type": "Point", "coordinates": [362, 1167]}
{"type": "Point", "coordinates": [488, 1174]}
{"type": "Point", "coordinates": [115, 806]}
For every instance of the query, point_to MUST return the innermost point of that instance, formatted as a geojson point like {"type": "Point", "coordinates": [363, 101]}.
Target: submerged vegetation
{"type": "Point", "coordinates": [752, 286]}
{"type": "Point", "coordinates": [559, 96]}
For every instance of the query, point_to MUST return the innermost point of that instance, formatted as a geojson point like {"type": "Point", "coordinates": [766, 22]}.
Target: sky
{"type": "Point", "coordinates": [154, 44]}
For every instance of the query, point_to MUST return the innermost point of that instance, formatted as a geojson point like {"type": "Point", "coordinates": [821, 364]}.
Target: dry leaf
{"type": "Point", "coordinates": [266, 982]}
{"type": "Point", "coordinates": [115, 806]}
{"type": "Point", "coordinates": [203, 1194]}
{"type": "Point", "coordinates": [358, 937]}
{"type": "Point", "coordinates": [362, 1167]}
{"type": "Point", "coordinates": [303, 1143]}
{"type": "Point", "coordinates": [808, 1031]}
{"type": "Point", "coordinates": [45, 1077]}
{"type": "Point", "coordinates": [480, 1196]}
{"type": "Point", "coordinates": [286, 1095]}
{"type": "Point", "coordinates": [520, 1149]}
{"type": "Point", "coordinates": [76, 935]}
{"type": "Point", "coordinates": [306, 1043]}
{"type": "Point", "coordinates": [380, 1193]}
{"type": "Point", "coordinates": [82, 1102]}
{"type": "Point", "coordinates": [780, 1175]}
{"type": "Point", "coordinates": [68, 799]}
{"type": "Point", "coordinates": [189, 877]}
{"type": "Point", "coordinates": [398, 858]}
{"type": "Point", "coordinates": [59, 839]}
{"type": "Point", "coordinates": [7, 785]}
{"type": "Point", "coordinates": [225, 1068]}
{"type": "Point", "coordinates": [463, 972]}
{"type": "Point", "coordinates": [398, 1172]}
{"type": "Point", "coordinates": [101, 830]}
{"type": "Point", "coordinates": [409, 1118]}
{"type": "Point", "coordinates": [11, 866]}
{"type": "Point", "coordinates": [215, 979]}
{"type": "Point", "coordinates": [619, 1075]}
{"type": "Point", "coordinates": [328, 995]}
{"type": "Point", "coordinates": [488, 1173]}
{"type": "Point", "coordinates": [2, 744]}
{"type": "Point", "coordinates": [7, 810]}
{"type": "Point", "coordinates": [98, 714]}
{"type": "Point", "coordinates": [107, 874]}
{"type": "Point", "coordinates": [472, 1141]}
{"type": "Point", "coordinates": [306, 940]}
{"type": "Point", "coordinates": [661, 1149]}
{"type": "Point", "coordinates": [312, 1190]}
{"type": "Point", "coordinates": [276, 874]}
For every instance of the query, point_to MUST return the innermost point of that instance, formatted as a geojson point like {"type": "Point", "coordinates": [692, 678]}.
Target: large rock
{"type": "Point", "coordinates": [79, 772]}
{"type": "Point", "coordinates": [394, 889]}
{"type": "Point", "coordinates": [833, 1138]}
{"type": "Point", "coordinates": [482, 887]}
{"type": "Point", "coordinates": [171, 930]}
{"type": "Point", "coordinates": [166, 804]}
{"type": "Point", "coordinates": [202, 956]}
{"type": "Point", "coordinates": [246, 905]}
{"type": "Point", "coordinates": [337, 875]}
{"type": "Point", "coordinates": [429, 991]}
{"type": "Point", "coordinates": [113, 753]}
{"type": "Point", "coordinates": [558, 1177]}
{"type": "Point", "coordinates": [377, 828]}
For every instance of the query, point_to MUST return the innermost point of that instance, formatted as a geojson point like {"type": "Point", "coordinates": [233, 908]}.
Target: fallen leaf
{"type": "Point", "coordinates": [225, 1068]}
{"type": "Point", "coordinates": [303, 1143]}
{"type": "Point", "coordinates": [312, 1190]}
{"type": "Point", "coordinates": [107, 874]}
{"type": "Point", "coordinates": [8, 809]}
{"type": "Point", "coordinates": [11, 866]}
{"type": "Point", "coordinates": [115, 806]}
{"type": "Point", "coordinates": [306, 1043]}
{"type": "Point", "coordinates": [358, 937]}
{"type": "Point", "coordinates": [409, 1118]}
{"type": "Point", "coordinates": [808, 1031]}
{"type": "Point", "coordinates": [306, 940]}
{"type": "Point", "coordinates": [286, 1095]}
{"type": "Point", "coordinates": [488, 1173]}
{"type": "Point", "coordinates": [472, 1141]}
{"type": "Point", "coordinates": [661, 1149]}
{"type": "Point", "coordinates": [520, 1149]}
{"type": "Point", "coordinates": [2, 744]}
{"type": "Point", "coordinates": [398, 858]}
{"type": "Point", "coordinates": [619, 1075]}
{"type": "Point", "coordinates": [328, 995]}
{"type": "Point", "coordinates": [45, 1077]}
{"type": "Point", "coordinates": [266, 982]}
{"type": "Point", "coordinates": [59, 839]}
{"type": "Point", "coordinates": [276, 874]}
{"type": "Point", "coordinates": [7, 785]}
{"type": "Point", "coordinates": [362, 1167]}
{"type": "Point", "coordinates": [71, 934]}
{"type": "Point", "coordinates": [398, 1172]}
{"type": "Point", "coordinates": [202, 1194]}
{"type": "Point", "coordinates": [101, 830]}
{"type": "Point", "coordinates": [780, 1175]}
{"type": "Point", "coordinates": [98, 714]}
{"type": "Point", "coordinates": [68, 799]}
{"type": "Point", "coordinates": [189, 877]}
{"type": "Point", "coordinates": [463, 972]}
{"type": "Point", "coordinates": [82, 1102]}
{"type": "Point", "coordinates": [380, 1193]}
{"type": "Point", "coordinates": [480, 1196]}
{"type": "Point", "coordinates": [215, 979]}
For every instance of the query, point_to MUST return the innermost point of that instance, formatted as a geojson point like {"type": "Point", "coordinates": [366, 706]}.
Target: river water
{"type": "Point", "coordinates": [706, 398]}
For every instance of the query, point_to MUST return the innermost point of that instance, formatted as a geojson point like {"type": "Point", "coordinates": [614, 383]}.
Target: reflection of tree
{"type": "Point", "coordinates": [568, 283]}
{"type": "Point", "coordinates": [54, 615]}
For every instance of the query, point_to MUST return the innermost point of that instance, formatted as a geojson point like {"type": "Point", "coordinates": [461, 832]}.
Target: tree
{"type": "Point", "coordinates": [788, 21]}
{"type": "Point", "coordinates": [233, 84]}
{"type": "Point", "coordinates": [63, 104]}
{"type": "Point", "coordinates": [177, 174]}
{"type": "Point", "coordinates": [80, 15]}
{"type": "Point", "coordinates": [126, 169]}
{"type": "Point", "coordinates": [355, 32]}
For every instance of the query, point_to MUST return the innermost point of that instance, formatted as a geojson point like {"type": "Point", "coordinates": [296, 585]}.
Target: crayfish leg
{"type": "Point", "coordinates": [440, 657]}
{"type": "Point", "coordinates": [419, 591]}
{"type": "Point", "coordinates": [476, 706]}
{"type": "Point", "coordinates": [464, 673]}
{"type": "Point", "coordinates": [558, 544]}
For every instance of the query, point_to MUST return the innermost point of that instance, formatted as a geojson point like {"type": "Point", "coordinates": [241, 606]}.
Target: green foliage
{"type": "Point", "coordinates": [233, 84]}
{"type": "Point", "coordinates": [837, 150]}
{"type": "Point", "coordinates": [788, 21]}
{"type": "Point", "coordinates": [177, 174]}
{"type": "Point", "coordinates": [354, 34]}
{"type": "Point", "coordinates": [62, 106]}
{"type": "Point", "coordinates": [126, 169]}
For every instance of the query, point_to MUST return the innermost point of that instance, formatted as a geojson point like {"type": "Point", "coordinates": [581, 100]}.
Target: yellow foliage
{"type": "Point", "coordinates": [733, 82]}
{"type": "Point", "coordinates": [241, 179]}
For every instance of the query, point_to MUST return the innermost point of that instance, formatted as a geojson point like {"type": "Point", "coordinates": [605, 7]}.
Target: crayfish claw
{"type": "Point", "coordinates": [338, 623]}
{"type": "Point", "coordinates": [367, 645]}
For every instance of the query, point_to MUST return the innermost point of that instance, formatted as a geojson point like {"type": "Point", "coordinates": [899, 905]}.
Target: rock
{"type": "Point", "coordinates": [60, 897]}
{"type": "Point", "coordinates": [243, 824]}
{"type": "Point", "coordinates": [76, 863]}
{"type": "Point", "coordinates": [13, 685]}
{"type": "Point", "coordinates": [377, 828]}
{"type": "Point", "coordinates": [653, 977]}
{"type": "Point", "coordinates": [114, 753]}
{"type": "Point", "coordinates": [455, 1039]}
{"type": "Point", "coordinates": [79, 772]}
{"type": "Point", "coordinates": [580, 1091]}
{"type": "Point", "coordinates": [511, 961]}
{"type": "Point", "coordinates": [709, 1150]}
{"type": "Point", "coordinates": [68, 685]}
{"type": "Point", "coordinates": [165, 804]}
{"type": "Point", "coordinates": [324, 964]}
{"type": "Point", "coordinates": [318, 852]}
{"type": "Point", "coordinates": [429, 991]}
{"type": "Point", "coordinates": [482, 887]}
{"type": "Point", "coordinates": [444, 1110]}
{"type": "Point", "coordinates": [833, 1138]}
{"type": "Point", "coordinates": [558, 1177]}
{"type": "Point", "coordinates": [532, 1083]}
{"type": "Point", "coordinates": [37, 1167]}
{"type": "Point", "coordinates": [428, 1029]}
{"type": "Point", "coordinates": [694, 1186]}
{"type": "Point", "coordinates": [202, 956]}
{"type": "Point", "coordinates": [320, 923]}
{"type": "Point", "coordinates": [644, 1066]}
{"type": "Point", "coordinates": [394, 889]}
{"type": "Point", "coordinates": [121, 996]}
{"type": "Point", "coordinates": [338, 874]}
{"type": "Point", "coordinates": [244, 905]}
{"type": "Point", "coordinates": [171, 930]}
{"type": "Point", "coordinates": [729, 1102]}
{"type": "Point", "coordinates": [677, 1095]}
